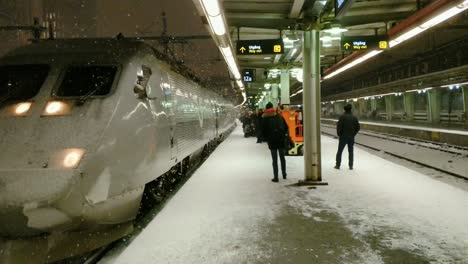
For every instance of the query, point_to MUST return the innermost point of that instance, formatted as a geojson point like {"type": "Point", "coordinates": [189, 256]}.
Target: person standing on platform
{"type": "Point", "coordinates": [346, 129]}
{"type": "Point", "coordinates": [274, 131]}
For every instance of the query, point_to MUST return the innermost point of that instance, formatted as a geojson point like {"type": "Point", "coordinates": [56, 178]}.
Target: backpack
{"type": "Point", "coordinates": [277, 129]}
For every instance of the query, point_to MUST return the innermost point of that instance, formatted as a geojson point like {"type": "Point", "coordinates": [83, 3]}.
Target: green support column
{"type": "Point", "coordinates": [434, 105]}
{"type": "Point", "coordinates": [357, 110]}
{"type": "Point", "coordinates": [311, 107]}
{"type": "Point", "coordinates": [389, 106]}
{"type": "Point", "coordinates": [274, 94]}
{"type": "Point", "coordinates": [285, 87]}
{"type": "Point", "coordinates": [465, 103]}
{"type": "Point", "coordinates": [408, 101]}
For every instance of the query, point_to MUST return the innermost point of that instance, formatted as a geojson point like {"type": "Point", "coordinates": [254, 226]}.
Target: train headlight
{"type": "Point", "coordinates": [55, 108]}
{"type": "Point", "coordinates": [22, 108]}
{"type": "Point", "coordinates": [72, 157]}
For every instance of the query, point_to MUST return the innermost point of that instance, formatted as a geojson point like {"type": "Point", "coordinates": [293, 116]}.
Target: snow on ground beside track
{"type": "Point", "coordinates": [411, 210]}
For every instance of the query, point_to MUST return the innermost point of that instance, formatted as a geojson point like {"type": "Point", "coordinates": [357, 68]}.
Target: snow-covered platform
{"type": "Point", "coordinates": [230, 212]}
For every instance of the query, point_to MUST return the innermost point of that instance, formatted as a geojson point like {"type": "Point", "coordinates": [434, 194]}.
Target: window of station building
{"type": "Point", "coordinates": [87, 81]}
{"type": "Point", "coordinates": [21, 82]}
{"type": "Point", "coordinates": [380, 105]}
{"type": "Point", "coordinates": [420, 102]}
{"type": "Point", "coordinates": [398, 103]}
{"type": "Point", "coordinates": [452, 100]}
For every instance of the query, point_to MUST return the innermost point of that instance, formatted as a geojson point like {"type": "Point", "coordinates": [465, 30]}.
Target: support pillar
{"type": "Point", "coordinates": [465, 103]}
{"type": "Point", "coordinates": [285, 99]}
{"type": "Point", "coordinates": [311, 106]}
{"type": "Point", "coordinates": [408, 102]}
{"type": "Point", "coordinates": [434, 105]}
{"type": "Point", "coordinates": [389, 106]}
{"type": "Point", "coordinates": [274, 94]}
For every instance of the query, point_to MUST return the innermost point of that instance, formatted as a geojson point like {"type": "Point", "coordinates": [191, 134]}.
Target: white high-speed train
{"type": "Point", "coordinates": [84, 126]}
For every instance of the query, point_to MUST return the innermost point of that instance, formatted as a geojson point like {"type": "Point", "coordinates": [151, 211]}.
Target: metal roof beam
{"type": "Point", "coordinates": [296, 8]}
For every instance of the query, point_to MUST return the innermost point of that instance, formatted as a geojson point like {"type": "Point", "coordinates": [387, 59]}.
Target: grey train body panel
{"type": "Point", "coordinates": [127, 141]}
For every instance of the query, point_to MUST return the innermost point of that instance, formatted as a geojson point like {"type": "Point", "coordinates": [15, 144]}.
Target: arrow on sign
{"type": "Point", "coordinates": [242, 49]}
{"type": "Point", "coordinates": [347, 45]}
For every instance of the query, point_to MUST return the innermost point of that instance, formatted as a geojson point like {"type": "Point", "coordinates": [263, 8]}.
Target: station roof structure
{"type": "Point", "coordinates": [286, 20]}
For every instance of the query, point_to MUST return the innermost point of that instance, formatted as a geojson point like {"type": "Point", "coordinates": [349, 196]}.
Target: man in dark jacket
{"type": "Point", "coordinates": [346, 129]}
{"type": "Point", "coordinates": [274, 131]}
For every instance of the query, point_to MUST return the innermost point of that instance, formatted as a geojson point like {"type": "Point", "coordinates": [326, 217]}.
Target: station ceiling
{"type": "Point", "coordinates": [275, 19]}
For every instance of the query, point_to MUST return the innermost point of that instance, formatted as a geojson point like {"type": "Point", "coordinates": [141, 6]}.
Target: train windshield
{"type": "Point", "coordinates": [21, 82]}
{"type": "Point", "coordinates": [84, 81]}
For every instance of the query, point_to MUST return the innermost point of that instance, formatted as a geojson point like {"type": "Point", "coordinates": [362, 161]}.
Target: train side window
{"type": "Point", "coordinates": [87, 81]}
{"type": "Point", "coordinates": [21, 82]}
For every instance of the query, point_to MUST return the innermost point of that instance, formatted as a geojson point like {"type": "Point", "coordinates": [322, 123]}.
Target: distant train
{"type": "Point", "coordinates": [85, 125]}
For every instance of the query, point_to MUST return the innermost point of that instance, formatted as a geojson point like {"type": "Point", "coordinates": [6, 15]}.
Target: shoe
{"type": "Point", "coordinates": [337, 167]}
{"type": "Point", "coordinates": [284, 176]}
{"type": "Point", "coordinates": [274, 180]}
{"type": "Point", "coordinates": [351, 167]}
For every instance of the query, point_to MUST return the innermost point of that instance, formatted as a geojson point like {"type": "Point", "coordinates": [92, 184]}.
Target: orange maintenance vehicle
{"type": "Point", "coordinates": [294, 120]}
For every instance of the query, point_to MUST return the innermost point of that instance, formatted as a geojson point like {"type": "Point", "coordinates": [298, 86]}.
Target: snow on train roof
{"type": "Point", "coordinates": [59, 46]}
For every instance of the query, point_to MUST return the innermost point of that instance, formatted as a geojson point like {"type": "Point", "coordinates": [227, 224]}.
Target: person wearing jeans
{"type": "Point", "coordinates": [346, 129]}
{"type": "Point", "coordinates": [275, 130]}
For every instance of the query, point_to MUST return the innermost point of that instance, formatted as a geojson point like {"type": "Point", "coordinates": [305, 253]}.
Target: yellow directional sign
{"type": "Point", "coordinates": [364, 43]}
{"type": "Point", "coordinates": [277, 48]}
{"type": "Point", "coordinates": [383, 44]}
{"type": "Point", "coordinates": [260, 46]}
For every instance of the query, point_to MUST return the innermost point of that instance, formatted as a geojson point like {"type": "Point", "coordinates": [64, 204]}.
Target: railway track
{"type": "Point", "coordinates": [454, 150]}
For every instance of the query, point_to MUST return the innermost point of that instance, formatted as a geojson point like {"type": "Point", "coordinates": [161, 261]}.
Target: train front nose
{"type": "Point", "coordinates": [29, 201]}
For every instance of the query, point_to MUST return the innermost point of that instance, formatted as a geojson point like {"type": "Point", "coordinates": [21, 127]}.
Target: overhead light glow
{"type": "Point", "coordinates": [353, 63]}
{"type": "Point", "coordinates": [335, 30]}
{"type": "Point", "coordinates": [326, 43]}
{"type": "Point", "coordinates": [300, 75]}
{"type": "Point", "coordinates": [211, 7]}
{"type": "Point", "coordinates": [227, 52]}
{"type": "Point", "coordinates": [217, 23]}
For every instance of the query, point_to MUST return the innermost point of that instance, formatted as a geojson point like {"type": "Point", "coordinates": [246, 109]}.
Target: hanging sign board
{"type": "Point", "coordinates": [364, 43]}
{"type": "Point", "coordinates": [260, 47]}
{"type": "Point", "coordinates": [248, 75]}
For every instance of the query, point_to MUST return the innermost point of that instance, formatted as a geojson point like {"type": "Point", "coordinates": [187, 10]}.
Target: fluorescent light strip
{"type": "Point", "coordinates": [217, 24]}
{"type": "Point", "coordinates": [211, 7]}
{"type": "Point", "coordinates": [231, 62]}
{"type": "Point", "coordinates": [353, 63]}
{"type": "Point", "coordinates": [408, 35]}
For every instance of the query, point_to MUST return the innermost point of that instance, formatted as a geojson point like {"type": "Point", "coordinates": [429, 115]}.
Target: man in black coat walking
{"type": "Point", "coordinates": [274, 131]}
{"type": "Point", "coordinates": [346, 129]}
